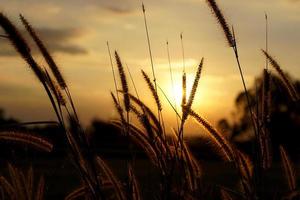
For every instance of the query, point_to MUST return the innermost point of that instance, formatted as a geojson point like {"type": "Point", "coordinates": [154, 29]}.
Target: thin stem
{"type": "Point", "coordinates": [170, 103]}
{"type": "Point", "coordinates": [172, 82]}
{"type": "Point", "coordinates": [67, 91]}
{"type": "Point", "coordinates": [267, 37]}
{"type": "Point", "coordinates": [182, 50]}
{"type": "Point", "coordinates": [113, 71]}
{"type": "Point", "coordinates": [184, 89]}
{"type": "Point", "coordinates": [150, 54]}
{"type": "Point", "coordinates": [235, 49]}
{"type": "Point", "coordinates": [256, 149]}
{"type": "Point", "coordinates": [133, 83]}
{"type": "Point", "coordinates": [52, 102]}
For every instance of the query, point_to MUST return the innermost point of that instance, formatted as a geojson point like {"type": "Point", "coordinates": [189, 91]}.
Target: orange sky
{"type": "Point", "coordinates": [76, 33]}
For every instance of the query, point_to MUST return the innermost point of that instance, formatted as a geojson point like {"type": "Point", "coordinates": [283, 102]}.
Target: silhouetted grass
{"type": "Point", "coordinates": [180, 172]}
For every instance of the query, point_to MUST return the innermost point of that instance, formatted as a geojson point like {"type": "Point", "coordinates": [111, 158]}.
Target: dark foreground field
{"type": "Point", "coordinates": [61, 176]}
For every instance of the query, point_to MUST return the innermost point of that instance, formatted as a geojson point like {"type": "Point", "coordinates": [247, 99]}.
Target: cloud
{"type": "Point", "coordinates": [56, 40]}
{"type": "Point", "coordinates": [118, 6]}
{"type": "Point", "coordinates": [114, 6]}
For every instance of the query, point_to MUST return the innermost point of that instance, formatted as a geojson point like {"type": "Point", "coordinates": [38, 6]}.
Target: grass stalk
{"type": "Point", "coordinates": [172, 84]}
{"type": "Point", "coordinates": [150, 54]}
{"type": "Point", "coordinates": [113, 71]}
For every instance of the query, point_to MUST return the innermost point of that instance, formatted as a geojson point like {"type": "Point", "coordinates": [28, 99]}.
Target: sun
{"type": "Point", "coordinates": [175, 94]}
{"type": "Point", "coordinates": [203, 98]}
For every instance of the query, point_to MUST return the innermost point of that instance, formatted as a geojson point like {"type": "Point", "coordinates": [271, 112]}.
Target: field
{"type": "Point", "coordinates": [139, 155]}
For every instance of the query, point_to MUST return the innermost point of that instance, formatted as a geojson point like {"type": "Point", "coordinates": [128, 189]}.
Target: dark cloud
{"type": "Point", "coordinates": [56, 40]}
{"type": "Point", "coordinates": [119, 10]}
{"type": "Point", "coordinates": [114, 6]}
{"type": "Point", "coordinates": [118, 6]}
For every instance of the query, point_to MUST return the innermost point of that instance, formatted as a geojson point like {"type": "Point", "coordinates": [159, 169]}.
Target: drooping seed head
{"type": "Point", "coordinates": [221, 20]}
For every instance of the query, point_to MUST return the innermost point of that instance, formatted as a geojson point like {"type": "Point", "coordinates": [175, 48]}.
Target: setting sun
{"type": "Point", "coordinates": [92, 103]}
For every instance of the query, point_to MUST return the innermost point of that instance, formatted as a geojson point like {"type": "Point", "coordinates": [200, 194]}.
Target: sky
{"type": "Point", "coordinates": [76, 31]}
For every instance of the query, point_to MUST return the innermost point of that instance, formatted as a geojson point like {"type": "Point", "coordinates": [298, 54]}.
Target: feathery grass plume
{"type": "Point", "coordinates": [149, 46]}
{"type": "Point", "coordinates": [20, 45]}
{"type": "Point", "coordinates": [289, 170]}
{"type": "Point", "coordinates": [158, 143]}
{"type": "Point", "coordinates": [29, 183]}
{"type": "Point", "coordinates": [135, 189]}
{"type": "Point", "coordinates": [289, 86]}
{"type": "Point", "coordinates": [154, 136]}
{"type": "Point", "coordinates": [54, 68]}
{"type": "Point", "coordinates": [55, 89]}
{"type": "Point", "coordinates": [26, 184]}
{"type": "Point", "coordinates": [21, 187]}
{"type": "Point", "coordinates": [193, 169]}
{"type": "Point", "coordinates": [265, 116]}
{"type": "Point", "coordinates": [264, 144]}
{"type": "Point", "coordinates": [263, 122]}
{"type": "Point", "coordinates": [220, 140]}
{"type": "Point", "coordinates": [268, 151]}
{"type": "Point", "coordinates": [139, 138]}
{"type": "Point", "coordinates": [230, 194]}
{"type": "Point", "coordinates": [245, 170]}
{"type": "Point", "coordinates": [193, 91]}
{"type": "Point", "coordinates": [8, 188]}
{"type": "Point", "coordinates": [153, 146]}
{"type": "Point", "coordinates": [147, 111]}
{"type": "Point", "coordinates": [231, 40]}
{"type": "Point", "coordinates": [84, 150]}
{"type": "Point", "coordinates": [159, 113]}
{"type": "Point", "coordinates": [114, 180]}
{"type": "Point", "coordinates": [12, 125]}
{"type": "Point", "coordinates": [50, 61]}
{"type": "Point", "coordinates": [225, 195]}
{"type": "Point", "coordinates": [77, 193]}
{"type": "Point", "coordinates": [60, 96]}
{"type": "Point", "coordinates": [151, 141]}
{"type": "Point", "coordinates": [221, 20]}
{"type": "Point", "coordinates": [118, 107]}
{"type": "Point", "coordinates": [123, 81]}
{"type": "Point", "coordinates": [266, 95]}
{"type": "Point", "coordinates": [173, 144]}
{"type": "Point", "coordinates": [150, 130]}
{"type": "Point", "coordinates": [153, 90]}
{"type": "Point", "coordinates": [40, 189]}
{"type": "Point", "coordinates": [82, 165]}
{"type": "Point", "coordinates": [15, 177]}
{"type": "Point", "coordinates": [144, 120]}
{"type": "Point", "coordinates": [195, 84]}
{"type": "Point", "coordinates": [24, 138]}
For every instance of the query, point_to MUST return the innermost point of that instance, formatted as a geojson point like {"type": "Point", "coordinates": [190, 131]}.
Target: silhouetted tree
{"type": "Point", "coordinates": [283, 122]}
